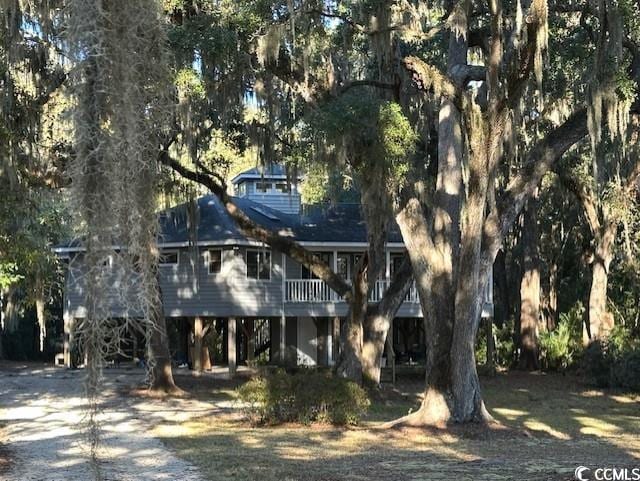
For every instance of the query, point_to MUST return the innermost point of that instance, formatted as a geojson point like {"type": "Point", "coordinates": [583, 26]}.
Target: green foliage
{"type": "Point", "coordinates": [9, 274]}
{"type": "Point", "coordinates": [304, 397]}
{"type": "Point", "coordinates": [560, 348]}
{"type": "Point", "coordinates": [189, 84]}
{"type": "Point", "coordinates": [505, 347]}
{"type": "Point", "coordinates": [614, 362]}
{"type": "Point", "coordinates": [344, 129]}
{"type": "Point", "coordinates": [504, 354]}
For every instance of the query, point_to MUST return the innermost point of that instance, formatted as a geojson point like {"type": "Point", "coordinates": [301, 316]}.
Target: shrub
{"type": "Point", "coordinates": [505, 348]}
{"type": "Point", "coordinates": [561, 348]}
{"type": "Point", "coordinates": [626, 370]}
{"type": "Point", "coordinates": [597, 364]}
{"type": "Point", "coordinates": [614, 362]}
{"type": "Point", "coordinates": [305, 397]}
{"type": "Point", "coordinates": [503, 345]}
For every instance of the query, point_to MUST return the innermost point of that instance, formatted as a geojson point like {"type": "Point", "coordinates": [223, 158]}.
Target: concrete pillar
{"type": "Point", "coordinates": [197, 345]}
{"type": "Point", "coordinates": [231, 345]}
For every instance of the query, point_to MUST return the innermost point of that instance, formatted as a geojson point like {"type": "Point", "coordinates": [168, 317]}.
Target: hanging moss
{"type": "Point", "coordinates": [119, 110]}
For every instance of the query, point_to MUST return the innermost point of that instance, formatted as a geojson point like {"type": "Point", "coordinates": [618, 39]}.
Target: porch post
{"type": "Point", "coordinates": [283, 341]}
{"type": "Point", "coordinates": [197, 345]}
{"type": "Point", "coordinates": [231, 345]}
{"type": "Point", "coordinates": [387, 274]}
{"type": "Point", "coordinates": [334, 295]}
{"type": "Point", "coordinates": [251, 339]}
{"type": "Point", "coordinates": [68, 325]}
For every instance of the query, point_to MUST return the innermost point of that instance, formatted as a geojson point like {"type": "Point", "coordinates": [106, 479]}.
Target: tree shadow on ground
{"type": "Point", "coordinates": [547, 437]}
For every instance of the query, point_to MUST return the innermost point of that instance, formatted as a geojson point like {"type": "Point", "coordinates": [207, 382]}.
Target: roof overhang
{"type": "Point", "coordinates": [241, 243]}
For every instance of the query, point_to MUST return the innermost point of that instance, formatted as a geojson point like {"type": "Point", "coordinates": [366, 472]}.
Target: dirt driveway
{"type": "Point", "coordinates": [42, 411]}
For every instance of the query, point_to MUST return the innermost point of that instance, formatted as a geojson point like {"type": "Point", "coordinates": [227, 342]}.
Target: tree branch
{"type": "Point", "coordinates": [429, 78]}
{"type": "Point", "coordinates": [255, 231]}
{"type": "Point", "coordinates": [539, 160]}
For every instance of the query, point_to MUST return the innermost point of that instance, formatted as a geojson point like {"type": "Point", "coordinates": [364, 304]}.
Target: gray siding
{"type": "Point", "coordinates": [287, 203]}
{"type": "Point", "coordinates": [189, 290]}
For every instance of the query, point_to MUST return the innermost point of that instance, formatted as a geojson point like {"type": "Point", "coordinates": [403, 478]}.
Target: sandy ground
{"type": "Point", "coordinates": [42, 410]}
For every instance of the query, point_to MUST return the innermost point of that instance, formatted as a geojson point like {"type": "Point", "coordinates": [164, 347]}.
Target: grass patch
{"type": "Point", "coordinates": [558, 424]}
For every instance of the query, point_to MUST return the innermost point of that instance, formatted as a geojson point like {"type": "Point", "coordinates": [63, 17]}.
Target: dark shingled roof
{"type": "Point", "coordinates": [271, 171]}
{"type": "Point", "coordinates": [340, 223]}
{"type": "Point", "coordinates": [319, 223]}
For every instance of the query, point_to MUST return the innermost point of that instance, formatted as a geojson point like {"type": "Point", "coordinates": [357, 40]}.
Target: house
{"type": "Point", "coordinates": [260, 303]}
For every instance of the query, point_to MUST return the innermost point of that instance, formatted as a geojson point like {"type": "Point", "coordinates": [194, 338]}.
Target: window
{"type": "Point", "coordinates": [258, 264]}
{"type": "Point", "coordinates": [326, 258]}
{"type": "Point", "coordinates": [347, 263]}
{"type": "Point", "coordinates": [263, 186]}
{"type": "Point", "coordinates": [107, 263]}
{"type": "Point", "coordinates": [242, 189]}
{"type": "Point", "coordinates": [168, 258]}
{"type": "Point", "coordinates": [214, 260]}
{"type": "Point", "coordinates": [396, 263]}
{"type": "Point", "coordinates": [343, 266]}
{"type": "Point", "coordinates": [283, 187]}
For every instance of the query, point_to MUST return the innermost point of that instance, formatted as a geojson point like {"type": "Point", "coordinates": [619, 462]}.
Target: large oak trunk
{"type": "Point", "coordinates": [452, 391]}
{"type": "Point", "coordinates": [376, 328]}
{"type": "Point", "coordinates": [378, 322]}
{"type": "Point", "coordinates": [529, 290]}
{"type": "Point", "coordinates": [349, 363]}
{"type": "Point", "coordinates": [600, 319]}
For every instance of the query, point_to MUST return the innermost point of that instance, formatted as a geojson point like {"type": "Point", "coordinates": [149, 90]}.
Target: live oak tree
{"type": "Point", "coordinates": [283, 96]}
{"type": "Point", "coordinates": [452, 219]}
{"type": "Point", "coordinates": [453, 244]}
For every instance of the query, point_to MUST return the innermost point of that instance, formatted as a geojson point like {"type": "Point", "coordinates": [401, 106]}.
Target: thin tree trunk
{"type": "Point", "coordinates": [349, 364]}
{"type": "Point", "coordinates": [490, 362]}
{"type": "Point", "coordinates": [552, 317]}
{"type": "Point", "coordinates": [529, 290]}
{"type": "Point", "coordinates": [160, 357]}
{"type": "Point", "coordinates": [503, 306]}
{"type": "Point", "coordinates": [40, 311]}
{"type": "Point", "coordinates": [378, 322]}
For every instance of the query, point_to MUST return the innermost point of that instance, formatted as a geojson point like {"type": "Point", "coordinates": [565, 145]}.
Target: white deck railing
{"type": "Point", "coordinates": [309, 290]}
{"type": "Point", "coordinates": [315, 290]}
{"type": "Point", "coordinates": [381, 287]}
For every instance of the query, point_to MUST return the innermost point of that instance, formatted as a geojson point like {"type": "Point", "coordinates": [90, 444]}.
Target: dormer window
{"type": "Point", "coordinates": [283, 187]}
{"type": "Point", "coordinates": [263, 186]}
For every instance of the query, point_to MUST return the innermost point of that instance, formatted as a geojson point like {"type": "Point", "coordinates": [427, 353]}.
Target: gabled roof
{"type": "Point", "coordinates": [210, 224]}
{"type": "Point", "coordinates": [341, 223]}
{"type": "Point", "coordinates": [273, 171]}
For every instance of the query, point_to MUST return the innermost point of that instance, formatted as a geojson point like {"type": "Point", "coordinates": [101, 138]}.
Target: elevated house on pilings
{"type": "Point", "coordinates": [257, 303]}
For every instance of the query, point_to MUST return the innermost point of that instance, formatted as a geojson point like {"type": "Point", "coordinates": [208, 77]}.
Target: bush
{"type": "Point", "coordinates": [305, 397]}
{"type": "Point", "coordinates": [626, 370]}
{"type": "Point", "coordinates": [503, 345]}
{"type": "Point", "coordinates": [561, 348]}
{"type": "Point", "coordinates": [615, 362]}
{"type": "Point", "coordinates": [597, 364]}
